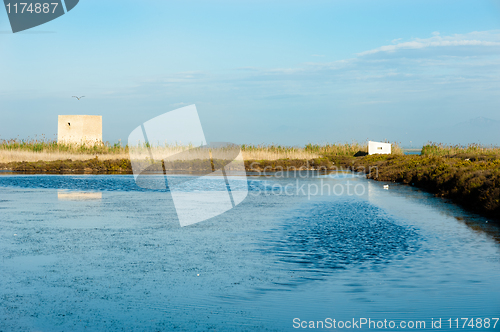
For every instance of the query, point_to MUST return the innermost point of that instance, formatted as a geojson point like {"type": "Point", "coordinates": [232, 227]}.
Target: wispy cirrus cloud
{"type": "Point", "coordinates": [402, 67]}
{"type": "Point", "coordinates": [484, 38]}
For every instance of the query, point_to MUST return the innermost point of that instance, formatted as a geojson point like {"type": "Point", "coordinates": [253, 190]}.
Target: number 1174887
{"type": "Point", "coordinates": [37, 8]}
{"type": "Point", "coordinates": [478, 323]}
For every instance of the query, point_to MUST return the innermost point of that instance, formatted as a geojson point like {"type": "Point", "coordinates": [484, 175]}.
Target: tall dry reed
{"type": "Point", "coordinates": [47, 150]}
{"type": "Point", "coordinates": [443, 150]}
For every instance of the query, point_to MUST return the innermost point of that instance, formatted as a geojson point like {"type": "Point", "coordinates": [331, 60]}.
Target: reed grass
{"type": "Point", "coordinates": [49, 150]}
{"type": "Point", "coordinates": [310, 151]}
{"type": "Point", "coordinates": [51, 146]}
{"type": "Point", "coordinates": [444, 150]}
{"type": "Point", "coordinates": [7, 156]}
{"type": "Point", "coordinates": [276, 152]}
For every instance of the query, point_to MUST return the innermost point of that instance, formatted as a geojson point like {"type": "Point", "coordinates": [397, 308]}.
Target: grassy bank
{"type": "Point", "coordinates": [468, 175]}
{"type": "Point", "coordinates": [123, 166]}
{"type": "Point", "coordinates": [89, 166]}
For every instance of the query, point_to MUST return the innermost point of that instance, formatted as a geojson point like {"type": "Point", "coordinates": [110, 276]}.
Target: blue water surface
{"type": "Point", "coordinates": [99, 253]}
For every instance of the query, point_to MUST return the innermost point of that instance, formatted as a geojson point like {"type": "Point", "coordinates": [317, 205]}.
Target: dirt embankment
{"type": "Point", "coordinates": [123, 166]}
{"type": "Point", "coordinates": [95, 166]}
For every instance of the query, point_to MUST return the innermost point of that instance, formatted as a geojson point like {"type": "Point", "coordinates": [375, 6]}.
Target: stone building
{"type": "Point", "coordinates": [79, 129]}
{"type": "Point", "coordinates": [379, 148]}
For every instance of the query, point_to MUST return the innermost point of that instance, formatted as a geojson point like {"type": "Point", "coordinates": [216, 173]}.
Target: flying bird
{"type": "Point", "coordinates": [78, 97]}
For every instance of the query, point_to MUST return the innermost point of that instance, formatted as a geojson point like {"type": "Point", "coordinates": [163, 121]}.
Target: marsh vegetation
{"type": "Point", "coordinates": [49, 150]}
{"type": "Point", "coordinates": [469, 175]}
{"type": "Point", "coordinates": [469, 178]}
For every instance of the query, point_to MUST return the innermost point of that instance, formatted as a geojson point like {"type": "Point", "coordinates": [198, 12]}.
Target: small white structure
{"type": "Point", "coordinates": [79, 129]}
{"type": "Point", "coordinates": [379, 148]}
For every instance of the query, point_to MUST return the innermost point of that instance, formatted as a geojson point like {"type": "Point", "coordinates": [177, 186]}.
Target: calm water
{"type": "Point", "coordinates": [412, 153]}
{"type": "Point", "coordinates": [97, 253]}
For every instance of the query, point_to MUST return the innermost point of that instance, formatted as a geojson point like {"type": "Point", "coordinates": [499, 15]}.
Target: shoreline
{"type": "Point", "coordinates": [472, 183]}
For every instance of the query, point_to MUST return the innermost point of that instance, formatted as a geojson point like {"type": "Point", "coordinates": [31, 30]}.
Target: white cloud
{"type": "Point", "coordinates": [486, 38]}
{"type": "Point", "coordinates": [380, 82]}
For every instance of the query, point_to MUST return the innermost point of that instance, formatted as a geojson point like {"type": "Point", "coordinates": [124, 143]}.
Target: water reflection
{"type": "Point", "coordinates": [78, 196]}
{"type": "Point", "coordinates": [481, 225]}
{"type": "Point", "coordinates": [398, 194]}
{"type": "Point", "coordinates": [327, 236]}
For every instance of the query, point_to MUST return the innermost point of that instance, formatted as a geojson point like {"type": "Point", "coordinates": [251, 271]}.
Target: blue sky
{"type": "Point", "coordinates": [286, 72]}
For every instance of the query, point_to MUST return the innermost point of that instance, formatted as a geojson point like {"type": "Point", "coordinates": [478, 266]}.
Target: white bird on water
{"type": "Point", "coordinates": [386, 186]}
{"type": "Point", "coordinates": [77, 97]}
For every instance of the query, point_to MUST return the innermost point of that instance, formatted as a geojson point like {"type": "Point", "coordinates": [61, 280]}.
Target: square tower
{"type": "Point", "coordinates": [79, 129]}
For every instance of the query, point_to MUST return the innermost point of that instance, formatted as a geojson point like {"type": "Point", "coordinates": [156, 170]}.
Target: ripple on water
{"type": "Point", "coordinates": [124, 183]}
{"type": "Point", "coordinates": [328, 236]}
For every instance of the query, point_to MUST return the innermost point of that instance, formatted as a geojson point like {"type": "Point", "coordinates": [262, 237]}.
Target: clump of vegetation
{"type": "Point", "coordinates": [472, 183]}
{"type": "Point", "coordinates": [475, 151]}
